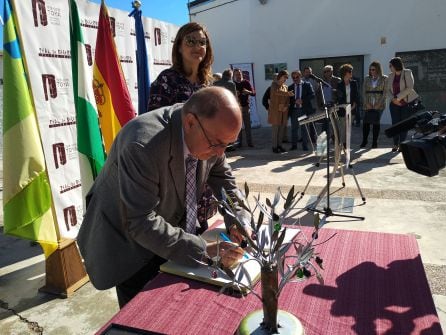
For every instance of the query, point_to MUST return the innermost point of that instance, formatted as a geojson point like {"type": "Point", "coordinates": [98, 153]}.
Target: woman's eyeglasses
{"type": "Point", "coordinates": [192, 42]}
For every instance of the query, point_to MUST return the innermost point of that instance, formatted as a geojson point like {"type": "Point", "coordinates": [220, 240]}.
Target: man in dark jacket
{"type": "Point", "coordinates": [300, 104]}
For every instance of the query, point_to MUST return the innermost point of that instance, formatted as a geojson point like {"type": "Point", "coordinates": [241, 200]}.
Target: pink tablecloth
{"type": "Point", "coordinates": [374, 284]}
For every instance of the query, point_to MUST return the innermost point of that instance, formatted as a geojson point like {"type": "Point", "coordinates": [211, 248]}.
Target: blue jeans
{"type": "Point", "coordinates": [399, 113]}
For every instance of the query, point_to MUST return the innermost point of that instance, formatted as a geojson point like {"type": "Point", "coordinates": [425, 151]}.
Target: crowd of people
{"type": "Point", "coordinates": [152, 199]}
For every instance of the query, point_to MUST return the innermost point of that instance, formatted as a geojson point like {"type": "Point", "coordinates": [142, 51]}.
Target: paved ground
{"type": "Point", "coordinates": [397, 201]}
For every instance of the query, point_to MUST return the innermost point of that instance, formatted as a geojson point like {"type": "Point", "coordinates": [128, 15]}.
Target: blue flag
{"type": "Point", "coordinates": [141, 60]}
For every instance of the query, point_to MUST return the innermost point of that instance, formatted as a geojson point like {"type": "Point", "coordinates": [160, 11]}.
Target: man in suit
{"type": "Point", "coordinates": [300, 104]}
{"type": "Point", "coordinates": [138, 209]}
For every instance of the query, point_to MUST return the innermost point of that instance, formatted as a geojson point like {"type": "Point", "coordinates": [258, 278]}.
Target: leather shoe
{"type": "Point", "coordinates": [293, 147]}
{"type": "Point", "coordinates": [374, 145]}
{"type": "Point", "coordinates": [276, 151]}
{"type": "Point", "coordinates": [363, 144]}
{"type": "Point", "coordinates": [281, 149]}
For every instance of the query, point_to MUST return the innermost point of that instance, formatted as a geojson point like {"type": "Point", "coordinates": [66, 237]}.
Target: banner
{"type": "Point", "coordinates": [45, 33]}
{"type": "Point", "coordinates": [248, 74]}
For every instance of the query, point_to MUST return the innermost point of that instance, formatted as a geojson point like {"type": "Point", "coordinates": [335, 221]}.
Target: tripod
{"type": "Point", "coordinates": [331, 117]}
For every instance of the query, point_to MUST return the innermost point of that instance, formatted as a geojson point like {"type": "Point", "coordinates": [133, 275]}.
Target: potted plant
{"type": "Point", "coordinates": [280, 262]}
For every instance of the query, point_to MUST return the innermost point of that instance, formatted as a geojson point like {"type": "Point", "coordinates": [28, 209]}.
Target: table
{"type": "Point", "coordinates": [374, 284]}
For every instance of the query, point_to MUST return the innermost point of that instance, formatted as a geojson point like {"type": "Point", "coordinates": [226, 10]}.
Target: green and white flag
{"type": "Point", "coordinates": [89, 138]}
{"type": "Point", "coordinates": [27, 201]}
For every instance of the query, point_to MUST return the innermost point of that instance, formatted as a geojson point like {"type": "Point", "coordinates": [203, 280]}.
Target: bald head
{"type": "Point", "coordinates": [210, 101]}
{"type": "Point", "coordinates": [219, 113]}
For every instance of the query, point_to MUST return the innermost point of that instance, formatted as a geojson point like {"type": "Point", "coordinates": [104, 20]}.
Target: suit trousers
{"type": "Point", "coordinates": [247, 124]}
{"type": "Point", "coordinates": [128, 289]}
{"type": "Point", "coordinates": [294, 114]}
{"type": "Point", "coordinates": [277, 135]}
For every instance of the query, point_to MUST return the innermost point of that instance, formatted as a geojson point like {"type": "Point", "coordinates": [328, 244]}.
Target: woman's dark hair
{"type": "Point", "coordinates": [377, 66]}
{"type": "Point", "coordinates": [397, 63]}
{"type": "Point", "coordinates": [204, 69]}
{"type": "Point", "coordinates": [345, 68]}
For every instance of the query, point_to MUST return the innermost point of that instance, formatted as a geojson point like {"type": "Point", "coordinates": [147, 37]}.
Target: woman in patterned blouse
{"type": "Point", "coordinates": [191, 70]}
{"type": "Point", "coordinates": [374, 99]}
{"type": "Point", "coordinates": [192, 58]}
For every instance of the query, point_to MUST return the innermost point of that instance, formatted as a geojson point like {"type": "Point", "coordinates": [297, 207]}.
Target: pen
{"type": "Point", "coordinates": [227, 239]}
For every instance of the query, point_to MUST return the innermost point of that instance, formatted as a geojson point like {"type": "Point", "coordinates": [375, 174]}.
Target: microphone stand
{"type": "Point", "coordinates": [327, 210]}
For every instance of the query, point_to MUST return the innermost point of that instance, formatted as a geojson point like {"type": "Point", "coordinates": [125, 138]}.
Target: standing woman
{"type": "Point", "coordinates": [374, 102]}
{"type": "Point", "coordinates": [192, 58]}
{"type": "Point", "coordinates": [278, 109]}
{"type": "Point", "coordinates": [400, 89]}
{"type": "Point", "coordinates": [347, 93]}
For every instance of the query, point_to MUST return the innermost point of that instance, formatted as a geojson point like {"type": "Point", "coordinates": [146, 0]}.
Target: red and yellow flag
{"type": "Point", "coordinates": [113, 100]}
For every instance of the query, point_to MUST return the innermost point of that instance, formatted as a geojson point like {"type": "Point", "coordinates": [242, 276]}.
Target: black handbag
{"type": "Point", "coordinates": [415, 105]}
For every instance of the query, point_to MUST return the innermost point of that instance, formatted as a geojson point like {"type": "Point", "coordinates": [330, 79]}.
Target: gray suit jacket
{"type": "Point", "coordinates": [136, 207]}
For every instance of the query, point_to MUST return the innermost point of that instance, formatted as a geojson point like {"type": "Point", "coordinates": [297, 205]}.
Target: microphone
{"type": "Point", "coordinates": [322, 81]}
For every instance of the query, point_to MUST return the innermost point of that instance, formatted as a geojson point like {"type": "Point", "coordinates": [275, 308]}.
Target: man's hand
{"type": "Point", "coordinates": [236, 235]}
{"type": "Point", "coordinates": [230, 253]}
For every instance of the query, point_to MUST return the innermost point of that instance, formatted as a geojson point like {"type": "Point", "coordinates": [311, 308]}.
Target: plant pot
{"type": "Point", "coordinates": [270, 320]}
{"type": "Point", "coordinates": [288, 324]}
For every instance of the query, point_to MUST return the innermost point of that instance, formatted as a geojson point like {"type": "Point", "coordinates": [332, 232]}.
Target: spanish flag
{"type": "Point", "coordinates": [27, 202]}
{"type": "Point", "coordinates": [112, 96]}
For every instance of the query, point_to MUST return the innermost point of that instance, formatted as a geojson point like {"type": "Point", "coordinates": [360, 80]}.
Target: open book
{"type": "Point", "coordinates": [249, 274]}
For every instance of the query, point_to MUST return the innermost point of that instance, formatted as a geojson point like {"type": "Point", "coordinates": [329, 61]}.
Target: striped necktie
{"type": "Point", "coordinates": [191, 194]}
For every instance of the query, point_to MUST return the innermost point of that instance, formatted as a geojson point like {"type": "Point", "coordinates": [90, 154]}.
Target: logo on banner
{"type": "Point", "coordinates": [89, 54]}
{"type": "Point", "coordinates": [70, 216]}
{"type": "Point", "coordinates": [70, 186]}
{"type": "Point", "coordinates": [53, 87]}
{"type": "Point", "coordinates": [62, 122]}
{"type": "Point", "coordinates": [49, 86]}
{"type": "Point", "coordinates": [45, 14]}
{"type": "Point", "coordinates": [126, 59]}
{"type": "Point", "coordinates": [59, 154]}
{"type": "Point", "coordinates": [54, 53]}
{"type": "Point", "coordinates": [39, 12]}
{"type": "Point", "coordinates": [89, 23]}
{"type": "Point", "coordinates": [160, 36]}
{"type": "Point", "coordinates": [157, 36]}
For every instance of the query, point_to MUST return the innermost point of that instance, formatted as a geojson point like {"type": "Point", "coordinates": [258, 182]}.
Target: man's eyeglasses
{"type": "Point", "coordinates": [211, 146]}
{"type": "Point", "coordinates": [192, 42]}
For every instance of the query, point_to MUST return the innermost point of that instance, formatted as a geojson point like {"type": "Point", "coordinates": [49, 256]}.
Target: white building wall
{"type": "Point", "coordinates": [289, 30]}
